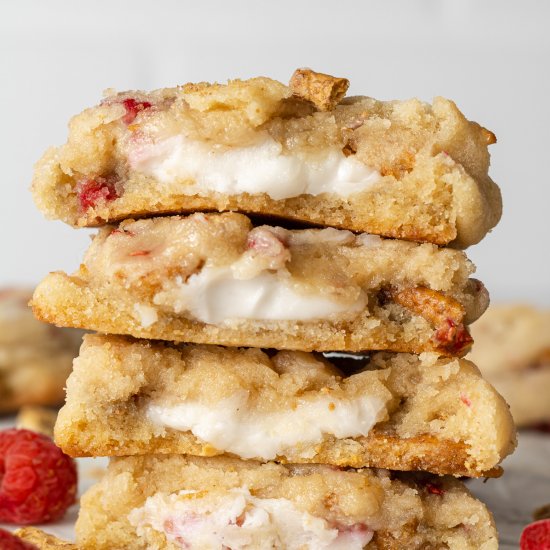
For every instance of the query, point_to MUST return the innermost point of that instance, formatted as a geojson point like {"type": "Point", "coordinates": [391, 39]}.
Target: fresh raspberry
{"type": "Point", "coordinates": [37, 480]}
{"type": "Point", "coordinates": [92, 191]}
{"type": "Point", "coordinates": [536, 536]}
{"type": "Point", "coordinates": [11, 542]}
{"type": "Point", "coordinates": [133, 107]}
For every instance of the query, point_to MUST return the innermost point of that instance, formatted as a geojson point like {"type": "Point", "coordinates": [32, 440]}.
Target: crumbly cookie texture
{"type": "Point", "coordinates": [42, 540]}
{"type": "Point", "coordinates": [147, 502]}
{"type": "Point", "coordinates": [217, 279]}
{"type": "Point", "coordinates": [403, 169]}
{"type": "Point", "coordinates": [513, 351]}
{"type": "Point", "coordinates": [427, 413]}
{"type": "Point", "coordinates": [35, 358]}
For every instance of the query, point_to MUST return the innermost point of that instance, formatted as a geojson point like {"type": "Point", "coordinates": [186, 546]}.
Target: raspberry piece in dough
{"type": "Point", "coordinates": [133, 107]}
{"type": "Point", "coordinates": [93, 191]}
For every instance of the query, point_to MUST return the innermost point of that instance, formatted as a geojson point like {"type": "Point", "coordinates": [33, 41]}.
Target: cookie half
{"type": "Point", "coordinates": [403, 169]}
{"type": "Point", "coordinates": [395, 411]}
{"type": "Point", "coordinates": [216, 279]}
{"type": "Point", "coordinates": [166, 502]}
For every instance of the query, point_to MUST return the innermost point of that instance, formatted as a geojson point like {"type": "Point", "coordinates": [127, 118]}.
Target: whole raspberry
{"type": "Point", "coordinates": [536, 536]}
{"type": "Point", "coordinates": [37, 480]}
{"type": "Point", "coordinates": [11, 542]}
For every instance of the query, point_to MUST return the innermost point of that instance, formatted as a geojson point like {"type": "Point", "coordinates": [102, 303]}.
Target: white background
{"type": "Point", "coordinates": [492, 57]}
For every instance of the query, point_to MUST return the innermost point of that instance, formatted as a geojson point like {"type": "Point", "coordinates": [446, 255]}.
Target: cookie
{"type": "Point", "coordinates": [303, 152]}
{"type": "Point", "coordinates": [399, 411]}
{"type": "Point", "coordinates": [157, 502]}
{"type": "Point", "coordinates": [216, 279]}
{"type": "Point", "coordinates": [35, 358]}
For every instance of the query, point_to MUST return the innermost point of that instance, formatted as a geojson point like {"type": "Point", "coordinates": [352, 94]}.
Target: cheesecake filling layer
{"type": "Point", "coordinates": [216, 295]}
{"type": "Point", "coordinates": [255, 169]}
{"type": "Point", "coordinates": [234, 425]}
{"type": "Point", "coordinates": [238, 520]}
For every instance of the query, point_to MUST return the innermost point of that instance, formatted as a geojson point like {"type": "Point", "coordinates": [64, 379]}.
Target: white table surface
{"type": "Point", "coordinates": [524, 487]}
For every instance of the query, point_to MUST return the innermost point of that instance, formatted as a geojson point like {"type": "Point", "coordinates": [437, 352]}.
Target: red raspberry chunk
{"type": "Point", "coordinates": [536, 536]}
{"type": "Point", "coordinates": [37, 480]}
{"type": "Point", "coordinates": [466, 400]}
{"type": "Point", "coordinates": [92, 191]}
{"type": "Point", "coordinates": [11, 542]}
{"type": "Point", "coordinates": [453, 337]}
{"type": "Point", "coordinates": [434, 489]}
{"type": "Point", "coordinates": [133, 107]}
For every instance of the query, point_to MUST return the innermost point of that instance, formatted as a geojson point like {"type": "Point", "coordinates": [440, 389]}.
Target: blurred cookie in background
{"type": "Point", "coordinates": [35, 358]}
{"type": "Point", "coordinates": [513, 352]}
{"type": "Point", "coordinates": [42, 540]}
{"type": "Point", "coordinates": [37, 419]}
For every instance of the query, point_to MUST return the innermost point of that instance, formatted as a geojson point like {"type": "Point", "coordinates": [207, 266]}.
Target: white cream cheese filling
{"type": "Point", "coordinates": [146, 315]}
{"type": "Point", "coordinates": [234, 426]}
{"type": "Point", "coordinates": [259, 168]}
{"type": "Point", "coordinates": [235, 519]}
{"type": "Point", "coordinates": [216, 295]}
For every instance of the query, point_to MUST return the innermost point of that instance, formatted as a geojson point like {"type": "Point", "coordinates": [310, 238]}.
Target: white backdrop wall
{"type": "Point", "coordinates": [492, 57]}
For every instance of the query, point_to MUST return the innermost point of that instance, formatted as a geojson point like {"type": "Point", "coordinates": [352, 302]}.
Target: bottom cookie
{"type": "Point", "coordinates": [173, 501]}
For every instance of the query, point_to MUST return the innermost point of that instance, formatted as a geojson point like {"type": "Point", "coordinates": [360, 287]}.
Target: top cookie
{"type": "Point", "coordinates": [403, 169]}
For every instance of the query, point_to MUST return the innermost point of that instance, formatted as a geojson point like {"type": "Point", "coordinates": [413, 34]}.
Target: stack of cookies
{"type": "Point", "coordinates": [281, 322]}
